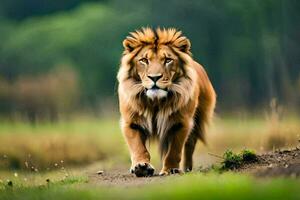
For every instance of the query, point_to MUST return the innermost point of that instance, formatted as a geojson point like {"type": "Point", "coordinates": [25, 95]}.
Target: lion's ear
{"type": "Point", "coordinates": [130, 44]}
{"type": "Point", "coordinates": [183, 44]}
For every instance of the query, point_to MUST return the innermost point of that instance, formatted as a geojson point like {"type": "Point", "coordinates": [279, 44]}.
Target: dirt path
{"type": "Point", "coordinates": [279, 163]}
{"type": "Point", "coordinates": [122, 178]}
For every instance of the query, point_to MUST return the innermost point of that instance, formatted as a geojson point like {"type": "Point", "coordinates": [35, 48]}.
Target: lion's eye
{"type": "Point", "coordinates": [168, 60]}
{"type": "Point", "coordinates": [144, 61]}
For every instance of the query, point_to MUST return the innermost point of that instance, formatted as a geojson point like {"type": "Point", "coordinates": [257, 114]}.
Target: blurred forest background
{"type": "Point", "coordinates": [61, 57]}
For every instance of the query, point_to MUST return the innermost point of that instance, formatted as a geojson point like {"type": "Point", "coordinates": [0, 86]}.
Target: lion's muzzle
{"type": "Point", "coordinates": [156, 93]}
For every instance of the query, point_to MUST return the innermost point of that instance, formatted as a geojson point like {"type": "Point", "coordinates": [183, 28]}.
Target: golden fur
{"type": "Point", "coordinates": [163, 93]}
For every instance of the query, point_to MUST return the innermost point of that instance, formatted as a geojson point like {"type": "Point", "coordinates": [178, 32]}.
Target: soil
{"type": "Point", "coordinates": [280, 163]}
{"type": "Point", "coordinates": [283, 163]}
{"type": "Point", "coordinates": [122, 178]}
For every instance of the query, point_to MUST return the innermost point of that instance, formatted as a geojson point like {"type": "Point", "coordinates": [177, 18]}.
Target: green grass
{"type": "Point", "coordinates": [248, 155]}
{"type": "Point", "coordinates": [84, 125]}
{"type": "Point", "coordinates": [75, 142]}
{"type": "Point", "coordinates": [191, 186]}
{"type": "Point", "coordinates": [235, 160]}
{"type": "Point", "coordinates": [84, 140]}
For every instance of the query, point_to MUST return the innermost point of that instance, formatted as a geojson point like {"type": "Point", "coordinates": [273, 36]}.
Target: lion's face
{"type": "Point", "coordinates": [155, 65]}
{"type": "Point", "coordinates": [156, 69]}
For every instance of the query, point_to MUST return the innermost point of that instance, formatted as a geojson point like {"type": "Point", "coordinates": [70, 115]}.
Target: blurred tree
{"type": "Point", "coordinates": [18, 10]}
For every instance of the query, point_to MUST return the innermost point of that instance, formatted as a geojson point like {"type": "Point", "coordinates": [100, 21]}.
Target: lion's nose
{"type": "Point", "coordinates": [154, 77]}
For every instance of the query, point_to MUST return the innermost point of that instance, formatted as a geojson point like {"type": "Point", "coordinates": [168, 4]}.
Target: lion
{"type": "Point", "coordinates": [163, 94]}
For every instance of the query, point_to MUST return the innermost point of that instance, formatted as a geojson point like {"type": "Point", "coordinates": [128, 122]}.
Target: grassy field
{"type": "Point", "coordinates": [56, 160]}
{"type": "Point", "coordinates": [70, 143]}
{"type": "Point", "coordinates": [82, 141]}
{"type": "Point", "coordinates": [191, 186]}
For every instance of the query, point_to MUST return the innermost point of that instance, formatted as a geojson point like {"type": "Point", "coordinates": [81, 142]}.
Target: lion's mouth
{"type": "Point", "coordinates": [156, 93]}
{"type": "Point", "coordinates": [155, 87]}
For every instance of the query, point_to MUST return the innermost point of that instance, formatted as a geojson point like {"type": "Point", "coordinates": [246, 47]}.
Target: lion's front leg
{"type": "Point", "coordinates": [140, 157]}
{"type": "Point", "coordinates": [171, 160]}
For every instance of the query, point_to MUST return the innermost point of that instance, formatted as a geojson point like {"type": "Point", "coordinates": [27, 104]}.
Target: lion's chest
{"type": "Point", "coordinates": [156, 123]}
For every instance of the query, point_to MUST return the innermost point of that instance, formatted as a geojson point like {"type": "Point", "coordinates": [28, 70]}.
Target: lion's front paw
{"type": "Point", "coordinates": [142, 170]}
{"type": "Point", "coordinates": [170, 171]}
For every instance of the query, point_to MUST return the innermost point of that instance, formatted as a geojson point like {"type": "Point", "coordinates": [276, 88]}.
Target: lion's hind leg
{"type": "Point", "coordinates": [189, 149]}
{"type": "Point", "coordinates": [198, 131]}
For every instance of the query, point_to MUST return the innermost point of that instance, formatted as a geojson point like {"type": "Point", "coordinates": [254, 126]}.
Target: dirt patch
{"type": "Point", "coordinates": [279, 163]}
{"type": "Point", "coordinates": [284, 163]}
{"type": "Point", "coordinates": [121, 177]}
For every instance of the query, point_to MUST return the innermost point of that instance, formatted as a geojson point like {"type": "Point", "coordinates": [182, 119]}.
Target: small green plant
{"type": "Point", "coordinates": [233, 160]}
{"type": "Point", "coordinates": [249, 156]}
